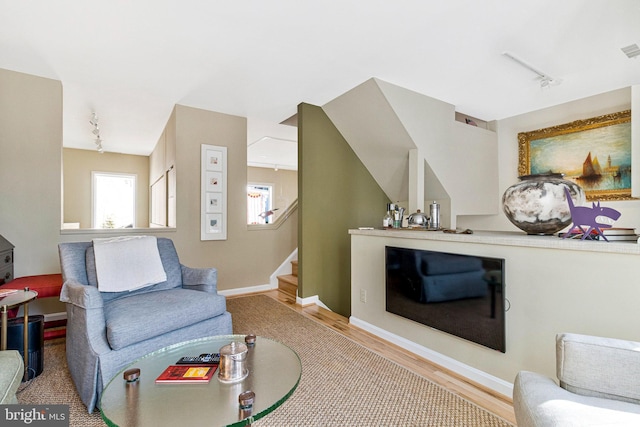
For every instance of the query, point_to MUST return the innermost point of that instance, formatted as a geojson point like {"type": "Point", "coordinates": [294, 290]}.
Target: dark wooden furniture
{"type": "Point", "coordinates": [6, 261]}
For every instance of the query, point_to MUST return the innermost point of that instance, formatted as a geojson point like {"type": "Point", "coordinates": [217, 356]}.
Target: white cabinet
{"type": "Point", "coordinates": [162, 178]}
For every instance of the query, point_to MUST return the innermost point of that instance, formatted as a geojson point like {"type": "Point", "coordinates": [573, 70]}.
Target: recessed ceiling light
{"type": "Point", "coordinates": [631, 51]}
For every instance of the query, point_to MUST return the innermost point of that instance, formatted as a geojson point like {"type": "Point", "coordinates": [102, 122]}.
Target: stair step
{"type": "Point", "coordinates": [288, 284]}
{"type": "Point", "coordinates": [294, 268]}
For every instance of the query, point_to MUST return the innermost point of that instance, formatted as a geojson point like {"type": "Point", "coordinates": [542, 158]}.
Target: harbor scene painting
{"type": "Point", "coordinates": [593, 153]}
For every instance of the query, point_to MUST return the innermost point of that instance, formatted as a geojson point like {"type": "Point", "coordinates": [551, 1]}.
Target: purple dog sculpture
{"type": "Point", "coordinates": [587, 217]}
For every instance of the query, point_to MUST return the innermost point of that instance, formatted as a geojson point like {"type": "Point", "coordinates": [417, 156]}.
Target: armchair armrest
{"type": "Point", "coordinates": [601, 367]}
{"type": "Point", "coordinates": [80, 295]}
{"type": "Point", "coordinates": [200, 279]}
{"type": "Point", "coordinates": [539, 402]}
{"type": "Point", "coordinates": [85, 314]}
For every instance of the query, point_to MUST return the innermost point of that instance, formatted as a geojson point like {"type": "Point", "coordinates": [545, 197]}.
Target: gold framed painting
{"type": "Point", "coordinates": [594, 153]}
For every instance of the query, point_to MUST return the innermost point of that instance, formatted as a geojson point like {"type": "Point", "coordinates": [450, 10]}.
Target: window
{"type": "Point", "coordinates": [114, 200]}
{"type": "Point", "coordinates": [259, 204]}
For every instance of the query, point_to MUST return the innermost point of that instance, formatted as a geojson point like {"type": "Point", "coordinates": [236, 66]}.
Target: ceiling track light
{"type": "Point", "coordinates": [545, 79]}
{"type": "Point", "coordinates": [96, 132]}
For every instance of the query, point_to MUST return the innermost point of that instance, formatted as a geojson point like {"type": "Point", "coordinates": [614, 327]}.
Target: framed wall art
{"type": "Point", "coordinates": [213, 172]}
{"type": "Point", "coordinates": [594, 153]}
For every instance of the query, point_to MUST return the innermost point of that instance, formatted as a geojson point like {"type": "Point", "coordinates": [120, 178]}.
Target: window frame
{"type": "Point", "coordinates": [95, 175]}
{"type": "Point", "coordinates": [271, 189]}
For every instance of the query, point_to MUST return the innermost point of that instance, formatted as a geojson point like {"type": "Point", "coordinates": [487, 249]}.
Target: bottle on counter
{"type": "Point", "coordinates": [387, 220]}
{"type": "Point", "coordinates": [434, 215]}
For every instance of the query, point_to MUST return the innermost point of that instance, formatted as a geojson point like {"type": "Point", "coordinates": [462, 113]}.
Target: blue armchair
{"type": "Point", "coordinates": [108, 330]}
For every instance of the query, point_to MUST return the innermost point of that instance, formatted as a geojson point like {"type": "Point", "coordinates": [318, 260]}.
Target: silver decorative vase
{"type": "Point", "coordinates": [538, 205]}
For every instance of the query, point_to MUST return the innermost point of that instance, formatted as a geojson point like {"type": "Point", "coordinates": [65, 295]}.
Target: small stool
{"type": "Point", "coordinates": [46, 285]}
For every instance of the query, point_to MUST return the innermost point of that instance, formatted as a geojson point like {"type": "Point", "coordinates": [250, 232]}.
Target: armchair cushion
{"type": "Point", "coordinates": [600, 367]}
{"type": "Point", "coordinates": [140, 317]}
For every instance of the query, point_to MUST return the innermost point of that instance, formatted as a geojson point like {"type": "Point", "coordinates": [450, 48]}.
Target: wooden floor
{"type": "Point", "coordinates": [479, 395]}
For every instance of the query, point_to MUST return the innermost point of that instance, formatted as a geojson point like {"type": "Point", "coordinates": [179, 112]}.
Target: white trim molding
{"type": "Point", "coordinates": [494, 383]}
{"type": "Point", "coordinates": [243, 291]}
{"type": "Point", "coordinates": [283, 269]}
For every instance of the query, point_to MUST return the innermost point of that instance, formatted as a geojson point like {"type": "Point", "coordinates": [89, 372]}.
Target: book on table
{"type": "Point", "coordinates": [187, 374]}
{"type": "Point", "coordinates": [622, 238]}
{"type": "Point", "coordinates": [7, 292]}
{"type": "Point", "coordinates": [613, 234]}
{"type": "Point", "coordinates": [618, 231]}
{"type": "Point", "coordinates": [618, 234]}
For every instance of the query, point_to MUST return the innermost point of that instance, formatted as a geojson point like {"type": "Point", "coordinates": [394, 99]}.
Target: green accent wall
{"type": "Point", "coordinates": [336, 193]}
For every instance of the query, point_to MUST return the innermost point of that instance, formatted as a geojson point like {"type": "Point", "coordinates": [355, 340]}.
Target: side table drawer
{"type": "Point", "coordinates": [6, 274]}
{"type": "Point", "coordinates": [6, 261]}
{"type": "Point", "coordinates": [6, 258]}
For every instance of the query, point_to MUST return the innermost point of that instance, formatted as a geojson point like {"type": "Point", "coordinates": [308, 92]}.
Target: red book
{"type": "Point", "coordinates": [187, 374]}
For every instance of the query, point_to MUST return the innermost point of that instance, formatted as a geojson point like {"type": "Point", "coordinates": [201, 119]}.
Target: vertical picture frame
{"type": "Point", "coordinates": [213, 187]}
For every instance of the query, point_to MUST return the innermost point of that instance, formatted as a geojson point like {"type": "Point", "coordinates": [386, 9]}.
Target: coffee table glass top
{"type": "Point", "coordinates": [274, 373]}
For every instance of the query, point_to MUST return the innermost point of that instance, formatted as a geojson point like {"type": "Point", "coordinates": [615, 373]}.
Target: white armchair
{"type": "Point", "coordinates": [599, 385]}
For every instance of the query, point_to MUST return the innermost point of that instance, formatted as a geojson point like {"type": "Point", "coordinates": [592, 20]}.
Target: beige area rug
{"type": "Point", "coordinates": [342, 384]}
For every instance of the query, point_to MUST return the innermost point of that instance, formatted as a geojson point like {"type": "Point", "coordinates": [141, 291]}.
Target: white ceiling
{"type": "Point", "coordinates": [131, 61]}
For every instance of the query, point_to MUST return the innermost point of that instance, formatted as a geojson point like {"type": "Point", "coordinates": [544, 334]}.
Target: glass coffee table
{"type": "Point", "coordinates": [274, 373]}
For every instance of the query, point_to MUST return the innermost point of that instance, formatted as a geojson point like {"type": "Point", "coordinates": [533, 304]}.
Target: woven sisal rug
{"type": "Point", "coordinates": [342, 384]}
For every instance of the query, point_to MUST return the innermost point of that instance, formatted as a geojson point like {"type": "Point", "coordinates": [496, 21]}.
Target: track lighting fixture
{"type": "Point", "coordinates": [96, 132]}
{"type": "Point", "coordinates": [545, 79]}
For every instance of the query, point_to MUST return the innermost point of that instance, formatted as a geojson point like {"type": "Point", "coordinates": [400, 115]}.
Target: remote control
{"type": "Point", "coordinates": [203, 359]}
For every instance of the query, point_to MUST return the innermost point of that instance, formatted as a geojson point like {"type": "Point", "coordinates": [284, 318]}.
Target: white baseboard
{"type": "Point", "coordinates": [494, 383]}
{"type": "Point", "coordinates": [262, 288]}
{"type": "Point", "coordinates": [247, 290]}
{"type": "Point", "coordinates": [52, 317]}
{"type": "Point", "coordinates": [284, 268]}
{"type": "Point", "coordinates": [310, 301]}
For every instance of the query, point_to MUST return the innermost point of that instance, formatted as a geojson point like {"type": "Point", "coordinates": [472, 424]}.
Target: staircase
{"type": "Point", "coordinates": [288, 283]}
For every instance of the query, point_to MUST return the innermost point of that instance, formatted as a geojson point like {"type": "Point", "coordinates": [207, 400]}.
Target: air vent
{"type": "Point", "coordinates": [631, 51]}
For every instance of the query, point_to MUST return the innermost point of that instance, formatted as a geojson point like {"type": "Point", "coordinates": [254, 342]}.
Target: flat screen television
{"type": "Point", "coordinates": [459, 294]}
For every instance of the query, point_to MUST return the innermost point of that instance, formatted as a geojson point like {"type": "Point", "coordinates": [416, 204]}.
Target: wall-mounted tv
{"type": "Point", "coordinates": [459, 294]}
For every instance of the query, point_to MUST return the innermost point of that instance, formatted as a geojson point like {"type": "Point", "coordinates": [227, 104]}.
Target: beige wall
{"type": "Point", "coordinates": [285, 186]}
{"type": "Point", "coordinates": [508, 130]}
{"type": "Point", "coordinates": [246, 258]}
{"type": "Point", "coordinates": [31, 173]}
{"type": "Point", "coordinates": [549, 291]}
{"type": "Point", "coordinates": [77, 168]}
{"type": "Point", "coordinates": [31, 153]}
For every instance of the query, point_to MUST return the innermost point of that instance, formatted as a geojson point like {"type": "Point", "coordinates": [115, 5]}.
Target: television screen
{"type": "Point", "coordinates": [462, 295]}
